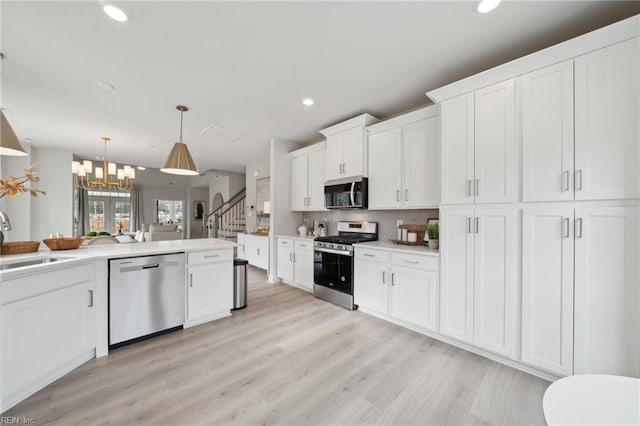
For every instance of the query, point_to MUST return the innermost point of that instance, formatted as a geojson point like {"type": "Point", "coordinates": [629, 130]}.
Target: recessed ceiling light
{"type": "Point", "coordinates": [106, 86]}
{"type": "Point", "coordinates": [115, 13]}
{"type": "Point", "coordinates": [308, 101]}
{"type": "Point", "coordinates": [484, 6]}
{"type": "Point", "coordinates": [141, 168]}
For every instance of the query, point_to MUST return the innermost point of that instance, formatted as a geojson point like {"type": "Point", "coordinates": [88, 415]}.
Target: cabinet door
{"type": "Point", "coordinates": [335, 156]}
{"type": "Point", "coordinates": [43, 335]}
{"type": "Point", "coordinates": [385, 172]}
{"type": "Point", "coordinates": [607, 107]}
{"type": "Point", "coordinates": [547, 288]}
{"type": "Point", "coordinates": [414, 296]}
{"type": "Point", "coordinates": [316, 179]}
{"type": "Point", "coordinates": [421, 163]}
{"type": "Point", "coordinates": [457, 174]}
{"type": "Point", "coordinates": [303, 264]}
{"type": "Point", "coordinates": [370, 288]}
{"type": "Point", "coordinates": [262, 252]}
{"type": "Point", "coordinates": [299, 171]}
{"type": "Point", "coordinates": [547, 133]}
{"type": "Point", "coordinates": [210, 289]}
{"type": "Point", "coordinates": [456, 272]}
{"type": "Point", "coordinates": [353, 140]}
{"type": "Point", "coordinates": [495, 281]}
{"type": "Point", "coordinates": [240, 250]}
{"type": "Point", "coordinates": [607, 317]}
{"type": "Point", "coordinates": [285, 259]}
{"type": "Point", "coordinates": [495, 144]}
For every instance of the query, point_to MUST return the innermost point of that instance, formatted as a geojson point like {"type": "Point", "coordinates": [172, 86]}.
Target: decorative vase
{"type": "Point", "coordinates": [434, 244]}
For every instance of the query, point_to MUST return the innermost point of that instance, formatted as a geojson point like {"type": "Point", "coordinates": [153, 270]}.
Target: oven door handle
{"type": "Point", "coordinates": [340, 252]}
{"type": "Point", "coordinates": [352, 194]}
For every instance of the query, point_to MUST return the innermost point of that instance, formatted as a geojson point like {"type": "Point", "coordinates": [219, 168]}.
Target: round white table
{"type": "Point", "coordinates": [593, 399]}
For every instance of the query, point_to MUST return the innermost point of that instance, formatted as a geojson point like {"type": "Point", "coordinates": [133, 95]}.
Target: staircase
{"type": "Point", "coordinates": [228, 220]}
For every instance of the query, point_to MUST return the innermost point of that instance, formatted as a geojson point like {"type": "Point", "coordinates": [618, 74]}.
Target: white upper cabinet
{"type": "Point", "coordinates": [607, 111]}
{"type": "Point", "coordinates": [495, 144]}
{"type": "Point", "coordinates": [307, 177]}
{"type": "Point", "coordinates": [385, 174]}
{"type": "Point", "coordinates": [547, 288]}
{"type": "Point", "coordinates": [347, 148]}
{"type": "Point", "coordinates": [478, 146]}
{"type": "Point", "coordinates": [547, 133]}
{"type": "Point", "coordinates": [457, 121]}
{"type": "Point", "coordinates": [404, 161]}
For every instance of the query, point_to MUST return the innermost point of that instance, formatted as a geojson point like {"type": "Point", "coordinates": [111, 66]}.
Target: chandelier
{"type": "Point", "coordinates": [109, 176]}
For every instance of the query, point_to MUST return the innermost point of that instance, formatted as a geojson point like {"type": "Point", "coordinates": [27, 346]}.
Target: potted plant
{"type": "Point", "coordinates": [433, 230]}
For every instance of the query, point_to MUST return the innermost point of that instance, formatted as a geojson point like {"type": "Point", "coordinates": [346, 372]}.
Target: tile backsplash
{"type": "Point", "coordinates": [386, 219]}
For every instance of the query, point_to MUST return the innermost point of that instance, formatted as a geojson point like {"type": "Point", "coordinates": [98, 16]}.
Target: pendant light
{"type": "Point", "coordinates": [180, 161]}
{"type": "Point", "coordinates": [9, 143]}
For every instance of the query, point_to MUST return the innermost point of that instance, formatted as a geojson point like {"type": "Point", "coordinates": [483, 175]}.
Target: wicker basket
{"type": "Point", "coordinates": [20, 247]}
{"type": "Point", "coordinates": [63, 243]}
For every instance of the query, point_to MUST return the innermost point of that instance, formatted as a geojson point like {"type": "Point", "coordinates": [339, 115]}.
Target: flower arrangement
{"type": "Point", "coordinates": [16, 185]}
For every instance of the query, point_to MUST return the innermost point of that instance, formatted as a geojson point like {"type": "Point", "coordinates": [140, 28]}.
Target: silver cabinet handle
{"type": "Point", "coordinates": [340, 168]}
{"type": "Point", "coordinates": [413, 262]}
{"type": "Point", "coordinates": [477, 187]}
{"type": "Point", "coordinates": [398, 195]}
{"type": "Point", "coordinates": [578, 228]}
{"type": "Point", "coordinates": [565, 226]}
{"type": "Point", "coordinates": [190, 280]}
{"type": "Point", "coordinates": [468, 187]}
{"type": "Point", "coordinates": [369, 255]}
{"type": "Point", "coordinates": [468, 225]}
{"type": "Point", "coordinates": [406, 195]}
{"type": "Point", "coordinates": [393, 278]}
{"type": "Point", "coordinates": [308, 201]}
{"type": "Point", "coordinates": [303, 245]}
{"type": "Point", "coordinates": [578, 180]}
{"type": "Point", "coordinates": [90, 298]}
{"type": "Point", "coordinates": [384, 277]}
{"type": "Point", "coordinates": [344, 168]}
{"type": "Point", "coordinates": [258, 251]}
{"type": "Point", "coordinates": [290, 257]}
{"type": "Point", "coordinates": [211, 256]}
{"type": "Point", "coordinates": [477, 225]}
{"type": "Point", "coordinates": [294, 258]}
{"type": "Point", "coordinates": [565, 180]}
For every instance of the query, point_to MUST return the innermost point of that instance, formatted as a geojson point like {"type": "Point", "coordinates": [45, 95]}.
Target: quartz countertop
{"type": "Point", "coordinates": [388, 245]}
{"type": "Point", "coordinates": [297, 237]}
{"type": "Point", "coordinates": [109, 251]}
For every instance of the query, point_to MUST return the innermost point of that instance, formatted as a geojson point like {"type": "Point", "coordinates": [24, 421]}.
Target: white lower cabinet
{"type": "Point", "coordinates": [209, 286]}
{"type": "Point", "coordinates": [48, 328]}
{"type": "Point", "coordinates": [580, 289]}
{"type": "Point", "coordinates": [479, 285]}
{"type": "Point", "coordinates": [240, 250]}
{"type": "Point", "coordinates": [400, 286]}
{"type": "Point", "coordinates": [256, 250]}
{"type": "Point", "coordinates": [295, 262]}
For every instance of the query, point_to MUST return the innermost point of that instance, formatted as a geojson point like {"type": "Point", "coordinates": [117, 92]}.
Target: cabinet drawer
{"type": "Point", "coordinates": [209, 256]}
{"type": "Point", "coordinates": [428, 263]}
{"type": "Point", "coordinates": [372, 255]}
{"type": "Point", "coordinates": [304, 245]}
{"type": "Point", "coordinates": [285, 242]}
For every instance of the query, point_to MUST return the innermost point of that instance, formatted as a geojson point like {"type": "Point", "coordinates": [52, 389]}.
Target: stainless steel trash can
{"type": "Point", "coordinates": [239, 283]}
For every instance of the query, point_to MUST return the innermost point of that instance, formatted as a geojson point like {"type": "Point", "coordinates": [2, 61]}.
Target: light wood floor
{"type": "Point", "coordinates": [289, 358]}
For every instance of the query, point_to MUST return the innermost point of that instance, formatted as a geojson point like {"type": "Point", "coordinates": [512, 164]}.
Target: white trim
{"type": "Point", "coordinates": [363, 120]}
{"type": "Point", "coordinates": [603, 37]}
{"type": "Point", "coordinates": [405, 119]}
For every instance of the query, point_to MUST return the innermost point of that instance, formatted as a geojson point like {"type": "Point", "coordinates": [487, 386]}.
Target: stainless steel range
{"type": "Point", "coordinates": [333, 262]}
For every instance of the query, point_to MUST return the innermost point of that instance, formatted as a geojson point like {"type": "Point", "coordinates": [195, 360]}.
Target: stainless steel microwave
{"type": "Point", "coordinates": [347, 193]}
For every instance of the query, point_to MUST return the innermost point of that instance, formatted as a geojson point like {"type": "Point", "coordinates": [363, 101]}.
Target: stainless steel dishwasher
{"type": "Point", "coordinates": [146, 296]}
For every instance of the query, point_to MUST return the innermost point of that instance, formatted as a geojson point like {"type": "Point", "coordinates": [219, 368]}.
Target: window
{"type": "Point", "coordinates": [109, 211]}
{"type": "Point", "coordinates": [169, 211]}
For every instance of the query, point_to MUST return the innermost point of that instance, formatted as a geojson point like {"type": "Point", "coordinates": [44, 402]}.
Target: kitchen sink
{"type": "Point", "coordinates": [32, 262]}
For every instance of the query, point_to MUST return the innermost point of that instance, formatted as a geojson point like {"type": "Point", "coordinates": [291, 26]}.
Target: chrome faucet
{"type": "Point", "coordinates": [5, 223]}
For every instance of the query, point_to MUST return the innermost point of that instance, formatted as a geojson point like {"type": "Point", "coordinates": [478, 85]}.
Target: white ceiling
{"type": "Point", "coordinates": [245, 67]}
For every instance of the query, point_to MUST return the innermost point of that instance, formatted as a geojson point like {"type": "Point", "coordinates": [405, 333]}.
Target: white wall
{"type": "Point", "coordinates": [53, 212]}
{"type": "Point", "coordinates": [254, 171]}
{"type": "Point", "coordinates": [282, 219]}
{"type": "Point", "coordinates": [17, 208]}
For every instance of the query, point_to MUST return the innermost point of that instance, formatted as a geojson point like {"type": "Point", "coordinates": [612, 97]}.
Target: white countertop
{"type": "Point", "coordinates": [297, 237]}
{"type": "Point", "coordinates": [109, 251]}
{"type": "Point", "coordinates": [388, 245]}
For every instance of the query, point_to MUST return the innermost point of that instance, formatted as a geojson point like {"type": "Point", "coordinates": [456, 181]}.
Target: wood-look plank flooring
{"type": "Point", "coordinates": [290, 359]}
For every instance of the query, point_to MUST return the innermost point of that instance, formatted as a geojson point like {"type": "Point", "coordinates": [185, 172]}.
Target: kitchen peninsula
{"type": "Point", "coordinates": [54, 305]}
